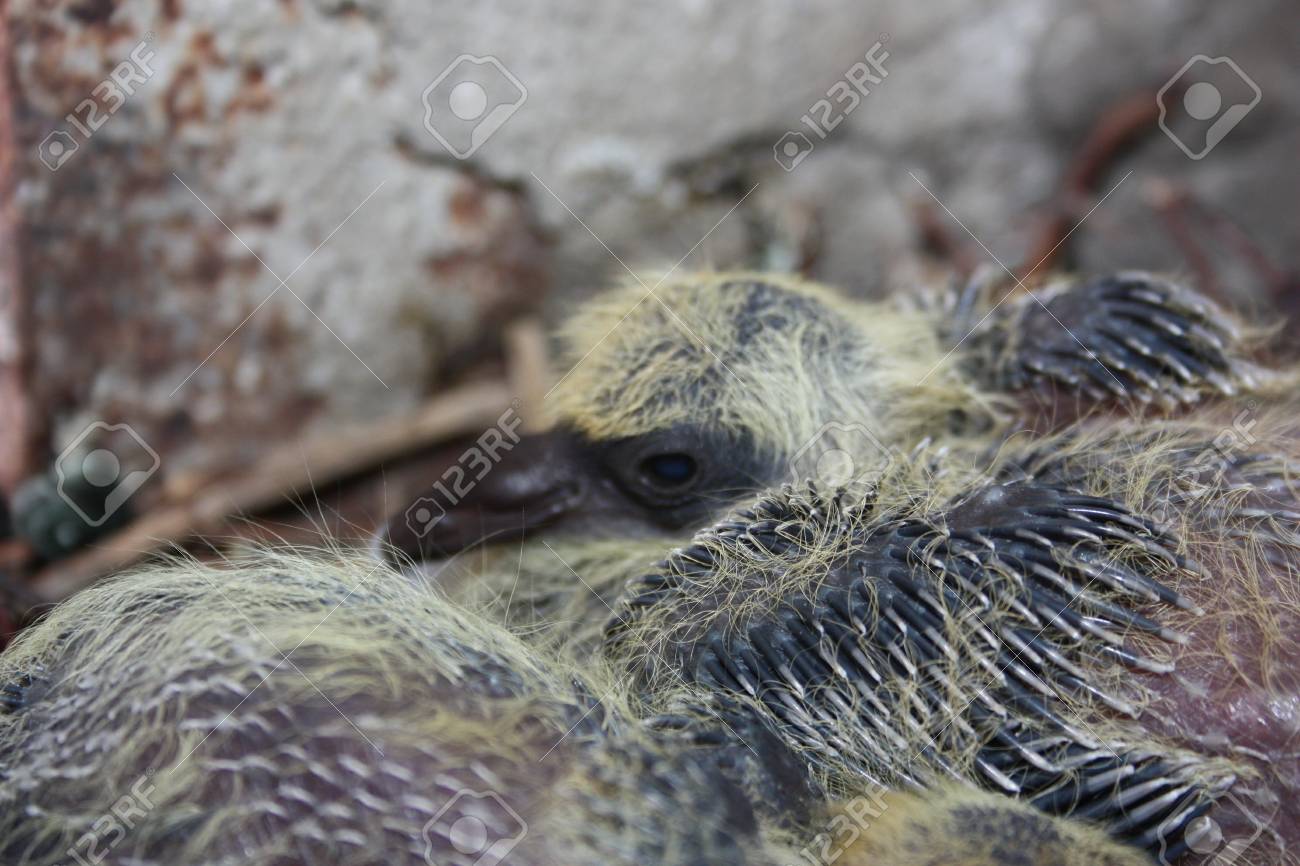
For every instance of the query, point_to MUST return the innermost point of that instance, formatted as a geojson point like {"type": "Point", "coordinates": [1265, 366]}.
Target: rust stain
{"type": "Point", "coordinates": [264, 216]}
{"type": "Point", "coordinates": [203, 48]}
{"type": "Point", "coordinates": [254, 95]}
{"type": "Point", "coordinates": [133, 284]}
{"type": "Point", "coordinates": [466, 204]}
{"type": "Point", "coordinates": [47, 76]}
{"type": "Point", "coordinates": [92, 11]}
{"type": "Point", "coordinates": [383, 76]}
{"type": "Point", "coordinates": [500, 269]}
{"type": "Point", "coordinates": [184, 100]}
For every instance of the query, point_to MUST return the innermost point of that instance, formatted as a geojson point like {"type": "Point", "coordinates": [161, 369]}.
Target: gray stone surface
{"type": "Point", "coordinates": [650, 122]}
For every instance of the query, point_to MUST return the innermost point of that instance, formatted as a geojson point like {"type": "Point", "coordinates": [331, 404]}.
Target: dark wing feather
{"type": "Point", "coordinates": [951, 643]}
{"type": "Point", "coordinates": [1130, 336]}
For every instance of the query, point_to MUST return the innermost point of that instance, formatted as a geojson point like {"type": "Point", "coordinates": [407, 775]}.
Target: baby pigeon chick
{"type": "Point", "coordinates": [905, 645]}
{"type": "Point", "coordinates": [316, 710]}
{"type": "Point", "coordinates": [296, 709]}
{"type": "Point", "coordinates": [680, 404]}
{"type": "Point", "coordinates": [1036, 470]}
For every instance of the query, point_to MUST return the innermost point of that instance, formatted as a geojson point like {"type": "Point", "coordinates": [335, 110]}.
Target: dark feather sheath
{"type": "Point", "coordinates": [961, 633]}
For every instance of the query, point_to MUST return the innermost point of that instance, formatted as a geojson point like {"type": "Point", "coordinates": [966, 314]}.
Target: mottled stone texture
{"type": "Point", "coordinates": [651, 121]}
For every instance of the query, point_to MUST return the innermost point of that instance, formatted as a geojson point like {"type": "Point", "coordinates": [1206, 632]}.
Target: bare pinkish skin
{"type": "Point", "coordinates": [1218, 705]}
{"type": "Point", "coordinates": [1235, 690]}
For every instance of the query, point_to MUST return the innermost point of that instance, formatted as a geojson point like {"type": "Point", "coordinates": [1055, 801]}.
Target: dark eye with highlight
{"type": "Point", "coordinates": [681, 474]}
{"type": "Point", "coordinates": [674, 471]}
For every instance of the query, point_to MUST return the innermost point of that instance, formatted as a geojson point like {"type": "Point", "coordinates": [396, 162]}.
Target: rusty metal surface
{"type": "Point", "coordinates": [149, 303]}
{"type": "Point", "coordinates": [15, 423]}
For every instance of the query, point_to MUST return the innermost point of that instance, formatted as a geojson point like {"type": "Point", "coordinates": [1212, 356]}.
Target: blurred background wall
{"type": "Point", "coordinates": [310, 140]}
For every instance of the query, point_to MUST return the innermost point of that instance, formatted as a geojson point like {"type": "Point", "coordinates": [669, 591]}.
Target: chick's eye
{"type": "Point", "coordinates": [669, 471]}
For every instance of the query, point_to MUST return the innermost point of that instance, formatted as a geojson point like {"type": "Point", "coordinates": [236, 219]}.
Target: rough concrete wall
{"type": "Point", "coordinates": [649, 121]}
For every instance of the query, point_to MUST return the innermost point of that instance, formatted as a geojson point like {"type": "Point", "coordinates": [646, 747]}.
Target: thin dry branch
{"type": "Point", "coordinates": [1117, 129]}
{"type": "Point", "coordinates": [287, 472]}
{"type": "Point", "coordinates": [528, 369]}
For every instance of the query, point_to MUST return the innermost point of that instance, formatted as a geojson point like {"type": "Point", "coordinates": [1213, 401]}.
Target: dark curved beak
{"type": "Point", "coordinates": [498, 494]}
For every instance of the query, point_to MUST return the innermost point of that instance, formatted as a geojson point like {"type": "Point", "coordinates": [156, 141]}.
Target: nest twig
{"type": "Point", "coordinates": [282, 474]}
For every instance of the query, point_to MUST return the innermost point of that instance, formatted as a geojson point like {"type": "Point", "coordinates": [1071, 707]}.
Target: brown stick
{"type": "Point", "coordinates": [1170, 201]}
{"type": "Point", "coordinates": [287, 472]}
{"type": "Point", "coordinates": [938, 240]}
{"type": "Point", "coordinates": [1117, 129]}
{"type": "Point", "coordinates": [528, 370]}
{"type": "Point", "coordinates": [1231, 232]}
